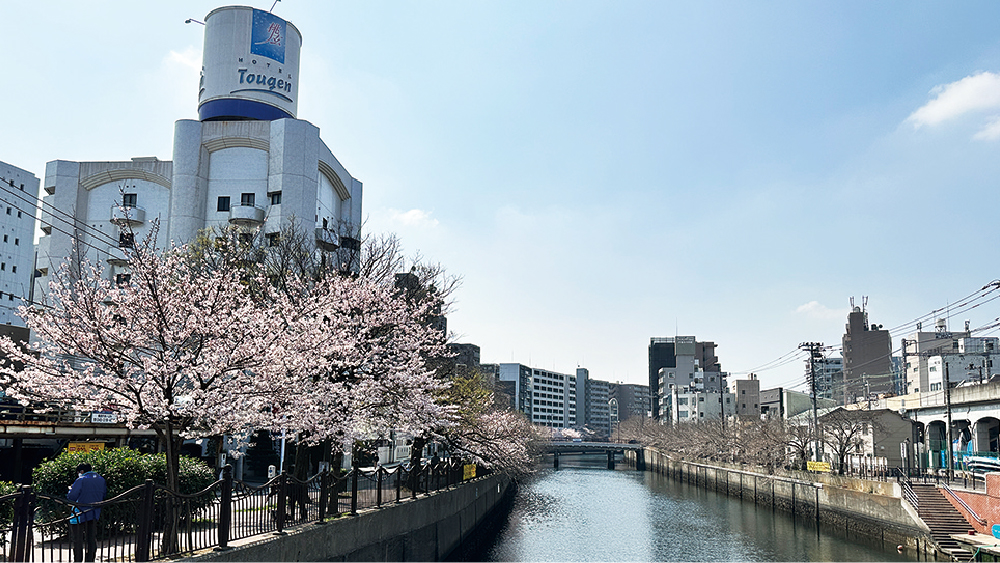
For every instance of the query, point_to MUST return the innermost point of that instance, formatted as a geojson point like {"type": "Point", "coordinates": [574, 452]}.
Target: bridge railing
{"type": "Point", "coordinates": [11, 411]}
{"type": "Point", "coordinates": [149, 522]}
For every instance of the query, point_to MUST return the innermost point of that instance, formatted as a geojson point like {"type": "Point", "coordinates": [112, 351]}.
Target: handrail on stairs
{"type": "Point", "coordinates": [964, 505]}
{"type": "Point", "coordinates": [907, 488]}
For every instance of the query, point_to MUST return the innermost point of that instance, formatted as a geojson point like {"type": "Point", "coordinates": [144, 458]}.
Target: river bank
{"type": "Point", "coordinates": [871, 509]}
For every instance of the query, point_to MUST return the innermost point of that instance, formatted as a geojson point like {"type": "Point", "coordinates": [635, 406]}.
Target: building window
{"type": "Point", "coordinates": [247, 199]}
{"type": "Point", "coordinates": [3, 266]}
{"type": "Point", "coordinates": [122, 279]}
{"type": "Point", "coordinates": [17, 241]}
{"type": "Point", "coordinates": [5, 238]}
{"type": "Point", "coordinates": [13, 269]}
{"type": "Point", "coordinates": [128, 200]}
{"type": "Point", "coordinates": [275, 198]}
{"type": "Point", "coordinates": [126, 240]}
{"type": "Point", "coordinates": [272, 239]}
{"type": "Point", "coordinates": [8, 211]}
{"type": "Point", "coordinates": [223, 203]}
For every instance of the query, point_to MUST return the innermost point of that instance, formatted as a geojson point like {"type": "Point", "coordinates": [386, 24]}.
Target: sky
{"type": "Point", "coordinates": [597, 172]}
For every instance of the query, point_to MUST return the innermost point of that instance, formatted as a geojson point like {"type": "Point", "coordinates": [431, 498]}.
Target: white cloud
{"type": "Point", "coordinates": [413, 218]}
{"type": "Point", "coordinates": [971, 94]}
{"type": "Point", "coordinates": [991, 132]}
{"type": "Point", "coordinates": [817, 310]}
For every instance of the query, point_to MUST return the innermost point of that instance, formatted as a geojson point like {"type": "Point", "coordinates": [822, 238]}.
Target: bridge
{"type": "Point", "coordinates": [610, 448]}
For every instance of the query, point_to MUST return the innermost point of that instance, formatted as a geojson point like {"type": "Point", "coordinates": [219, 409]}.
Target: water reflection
{"type": "Point", "coordinates": [584, 512]}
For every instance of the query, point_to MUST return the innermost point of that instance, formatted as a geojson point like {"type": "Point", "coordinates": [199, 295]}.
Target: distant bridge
{"type": "Point", "coordinates": [610, 448]}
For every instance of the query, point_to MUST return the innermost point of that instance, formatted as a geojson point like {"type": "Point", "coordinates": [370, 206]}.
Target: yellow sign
{"type": "Point", "coordinates": [821, 466]}
{"type": "Point", "coordinates": [469, 472]}
{"type": "Point", "coordinates": [84, 446]}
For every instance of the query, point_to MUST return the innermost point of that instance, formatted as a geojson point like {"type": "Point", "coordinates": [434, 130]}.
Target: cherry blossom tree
{"type": "Point", "coordinates": [365, 353]}
{"type": "Point", "coordinates": [180, 350]}
{"type": "Point", "coordinates": [369, 370]}
{"type": "Point", "coordinates": [485, 431]}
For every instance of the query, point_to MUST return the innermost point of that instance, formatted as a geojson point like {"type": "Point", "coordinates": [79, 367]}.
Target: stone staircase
{"type": "Point", "coordinates": [943, 519]}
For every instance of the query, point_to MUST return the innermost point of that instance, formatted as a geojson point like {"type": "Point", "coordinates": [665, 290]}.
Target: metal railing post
{"type": "Point", "coordinates": [378, 486]}
{"type": "Point", "coordinates": [354, 490]}
{"type": "Point", "coordinates": [282, 505]}
{"type": "Point", "coordinates": [399, 482]}
{"type": "Point", "coordinates": [23, 536]}
{"type": "Point", "coordinates": [225, 507]}
{"type": "Point", "coordinates": [324, 495]}
{"type": "Point", "coordinates": [144, 527]}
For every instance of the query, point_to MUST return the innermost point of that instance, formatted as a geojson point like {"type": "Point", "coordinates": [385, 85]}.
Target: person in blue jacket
{"type": "Point", "coordinates": [88, 488]}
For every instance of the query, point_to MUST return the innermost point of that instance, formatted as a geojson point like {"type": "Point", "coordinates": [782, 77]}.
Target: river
{"type": "Point", "coordinates": [585, 512]}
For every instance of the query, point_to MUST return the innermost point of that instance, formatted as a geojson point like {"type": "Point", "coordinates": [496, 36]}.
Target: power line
{"type": "Point", "coordinates": [38, 203]}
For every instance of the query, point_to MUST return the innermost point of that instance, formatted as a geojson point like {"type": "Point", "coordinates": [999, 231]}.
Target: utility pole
{"type": "Point", "coordinates": [813, 348]}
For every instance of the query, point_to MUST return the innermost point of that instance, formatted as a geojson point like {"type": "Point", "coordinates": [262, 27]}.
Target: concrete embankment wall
{"type": "Point", "coordinates": [872, 509]}
{"type": "Point", "coordinates": [426, 529]}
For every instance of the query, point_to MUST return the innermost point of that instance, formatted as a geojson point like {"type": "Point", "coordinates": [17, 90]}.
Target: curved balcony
{"type": "Point", "coordinates": [127, 215]}
{"type": "Point", "coordinates": [246, 215]}
{"type": "Point", "coordinates": [327, 240]}
{"type": "Point", "coordinates": [117, 256]}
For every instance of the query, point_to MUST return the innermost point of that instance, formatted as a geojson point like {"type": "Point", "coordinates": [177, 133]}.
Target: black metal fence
{"type": "Point", "coordinates": [149, 522]}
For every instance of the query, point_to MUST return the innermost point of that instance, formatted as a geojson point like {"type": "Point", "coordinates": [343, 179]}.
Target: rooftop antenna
{"type": "Point", "coordinates": [273, 5]}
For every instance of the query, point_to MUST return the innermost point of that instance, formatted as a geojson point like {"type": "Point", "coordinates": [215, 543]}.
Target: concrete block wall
{"type": "Point", "coordinates": [426, 529]}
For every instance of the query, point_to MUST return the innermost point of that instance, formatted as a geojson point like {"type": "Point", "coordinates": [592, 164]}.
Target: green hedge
{"type": "Point", "coordinates": [122, 469]}
{"type": "Point", "coordinates": [6, 509]}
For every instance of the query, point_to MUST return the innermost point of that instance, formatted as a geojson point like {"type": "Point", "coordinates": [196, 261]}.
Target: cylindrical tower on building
{"type": "Point", "coordinates": [250, 66]}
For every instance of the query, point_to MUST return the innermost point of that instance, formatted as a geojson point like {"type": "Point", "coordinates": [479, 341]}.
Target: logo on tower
{"type": "Point", "coordinates": [267, 37]}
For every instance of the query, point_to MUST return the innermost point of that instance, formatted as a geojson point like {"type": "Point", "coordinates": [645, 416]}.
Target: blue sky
{"type": "Point", "coordinates": [600, 172]}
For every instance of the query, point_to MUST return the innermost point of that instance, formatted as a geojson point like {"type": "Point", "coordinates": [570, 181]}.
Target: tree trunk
{"type": "Point", "coordinates": [416, 453]}
{"type": "Point", "coordinates": [171, 521]}
{"type": "Point", "coordinates": [298, 493]}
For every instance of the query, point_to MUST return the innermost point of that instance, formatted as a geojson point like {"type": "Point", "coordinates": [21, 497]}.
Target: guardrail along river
{"type": "Point", "coordinates": [585, 512]}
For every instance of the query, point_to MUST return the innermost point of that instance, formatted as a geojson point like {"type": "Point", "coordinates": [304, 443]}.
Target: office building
{"type": "Point", "coordinates": [867, 351]}
{"type": "Point", "coordinates": [596, 413]}
{"type": "Point", "coordinates": [630, 399]}
{"type": "Point", "coordinates": [829, 373]}
{"type": "Point", "coordinates": [465, 359]}
{"type": "Point", "coordinates": [746, 396]}
{"type": "Point", "coordinates": [682, 362]}
{"type": "Point", "coordinates": [927, 355]}
{"type": "Point", "coordinates": [18, 197]}
{"type": "Point", "coordinates": [688, 404]}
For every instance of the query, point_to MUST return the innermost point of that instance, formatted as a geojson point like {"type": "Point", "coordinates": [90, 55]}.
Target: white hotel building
{"type": "Point", "coordinates": [248, 161]}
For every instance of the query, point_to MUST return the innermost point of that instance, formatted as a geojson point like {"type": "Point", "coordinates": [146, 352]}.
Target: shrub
{"type": "Point", "coordinates": [122, 469]}
{"type": "Point", "coordinates": [6, 509]}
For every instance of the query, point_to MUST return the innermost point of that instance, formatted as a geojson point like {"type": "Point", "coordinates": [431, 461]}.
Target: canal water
{"type": "Point", "coordinates": [585, 512]}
